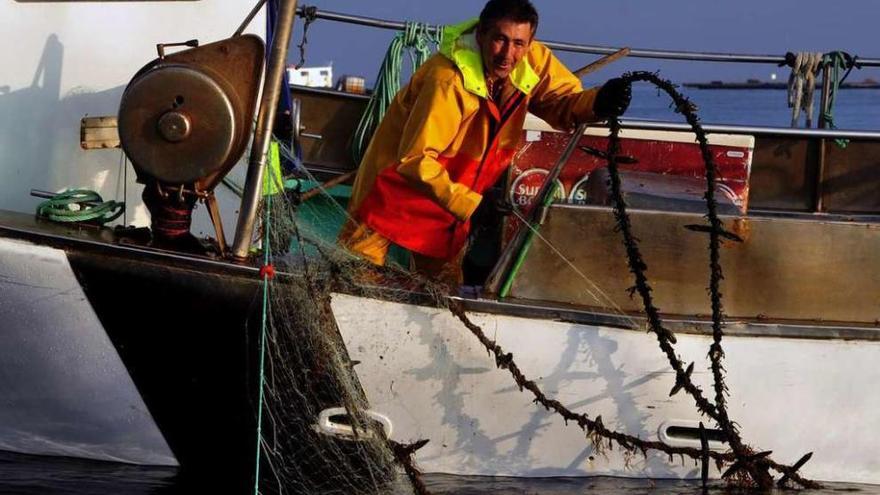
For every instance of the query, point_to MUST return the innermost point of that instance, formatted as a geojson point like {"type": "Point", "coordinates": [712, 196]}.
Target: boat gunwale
{"type": "Point", "coordinates": [835, 218]}
{"type": "Point", "coordinates": [89, 239]}
{"type": "Point", "coordinates": [542, 310]}
{"type": "Point", "coordinates": [668, 125]}
{"type": "Point", "coordinates": [676, 323]}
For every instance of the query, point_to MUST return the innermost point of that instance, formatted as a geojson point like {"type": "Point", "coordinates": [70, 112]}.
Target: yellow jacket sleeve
{"type": "Point", "coordinates": [432, 125]}
{"type": "Point", "coordinates": [559, 99]}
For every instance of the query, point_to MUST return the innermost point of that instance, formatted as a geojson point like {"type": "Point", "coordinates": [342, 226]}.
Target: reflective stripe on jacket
{"type": "Point", "coordinates": [442, 141]}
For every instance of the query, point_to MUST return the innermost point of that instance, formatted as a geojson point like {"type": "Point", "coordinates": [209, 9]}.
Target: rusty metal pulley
{"type": "Point", "coordinates": [185, 119]}
{"type": "Point", "coordinates": [178, 123]}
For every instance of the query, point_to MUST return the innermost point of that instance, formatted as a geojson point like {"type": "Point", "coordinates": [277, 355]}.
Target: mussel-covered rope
{"type": "Point", "coordinates": [309, 13]}
{"type": "Point", "coordinates": [756, 465]}
{"type": "Point", "coordinates": [638, 268]}
{"type": "Point", "coordinates": [594, 429]}
{"type": "Point", "coordinates": [403, 453]}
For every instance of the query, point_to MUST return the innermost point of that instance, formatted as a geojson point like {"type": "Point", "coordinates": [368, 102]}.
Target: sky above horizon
{"type": "Point", "coordinates": [769, 27]}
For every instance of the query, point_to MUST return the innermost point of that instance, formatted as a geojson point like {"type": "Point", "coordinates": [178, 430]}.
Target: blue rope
{"type": "Point", "coordinates": [284, 103]}
{"type": "Point", "coordinates": [267, 262]}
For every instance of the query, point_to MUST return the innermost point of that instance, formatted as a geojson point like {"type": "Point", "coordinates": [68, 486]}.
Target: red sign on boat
{"type": "Point", "coordinates": [671, 157]}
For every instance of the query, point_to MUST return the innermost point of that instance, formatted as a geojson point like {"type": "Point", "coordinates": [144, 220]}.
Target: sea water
{"type": "Point", "coordinates": [853, 109]}
{"type": "Point", "coordinates": [31, 475]}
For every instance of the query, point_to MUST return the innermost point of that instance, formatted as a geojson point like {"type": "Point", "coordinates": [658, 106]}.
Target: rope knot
{"type": "Point", "coordinates": [309, 13]}
{"type": "Point", "coordinates": [411, 33]}
{"type": "Point", "coordinates": [267, 272]}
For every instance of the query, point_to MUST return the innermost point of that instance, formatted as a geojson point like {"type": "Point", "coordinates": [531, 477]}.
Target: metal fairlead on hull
{"type": "Point", "coordinates": [184, 122]}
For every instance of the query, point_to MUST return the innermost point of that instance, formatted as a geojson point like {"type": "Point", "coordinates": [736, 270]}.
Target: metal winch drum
{"type": "Point", "coordinates": [185, 119]}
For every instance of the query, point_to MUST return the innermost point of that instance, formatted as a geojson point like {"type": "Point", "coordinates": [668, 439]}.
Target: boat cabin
{"type": "Point", "coordinates": [800, 203]}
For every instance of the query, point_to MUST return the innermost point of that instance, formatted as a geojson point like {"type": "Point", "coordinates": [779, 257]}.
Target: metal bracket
{"type": "Point", "coordinates": [97, 133]}
{"type": "Point", "coordinates": [161, 46]}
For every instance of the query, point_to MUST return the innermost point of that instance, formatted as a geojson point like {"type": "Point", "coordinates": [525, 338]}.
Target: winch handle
{"type": "Point", "coordinates": [161, 46]}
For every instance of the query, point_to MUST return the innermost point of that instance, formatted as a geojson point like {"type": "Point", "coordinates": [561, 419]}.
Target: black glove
{"type": "Point", "coordinates": [613, 98]}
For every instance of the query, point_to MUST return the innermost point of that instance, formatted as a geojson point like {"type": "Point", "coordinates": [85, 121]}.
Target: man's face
{"type": "Point", "coordinates": [502, 45]}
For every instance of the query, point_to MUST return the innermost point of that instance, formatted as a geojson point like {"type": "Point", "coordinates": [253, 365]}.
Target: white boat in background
{"type": "Point", "coordinates": [117, 349]}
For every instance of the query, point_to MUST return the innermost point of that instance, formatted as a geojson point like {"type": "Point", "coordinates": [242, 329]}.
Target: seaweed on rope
{"type": "Point", "coordinates": [308, 367]}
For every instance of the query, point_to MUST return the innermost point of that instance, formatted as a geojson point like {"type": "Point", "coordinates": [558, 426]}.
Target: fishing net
{"type": "Point", "coordinates": [309, 379]}
{"type": "Point", "coordinates": [308, 376]}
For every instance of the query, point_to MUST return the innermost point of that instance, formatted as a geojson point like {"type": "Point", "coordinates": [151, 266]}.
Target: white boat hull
{"type": "Point", "coordinates": [64, 391]}
{"type": "Point", "coordinates": [430, 376]}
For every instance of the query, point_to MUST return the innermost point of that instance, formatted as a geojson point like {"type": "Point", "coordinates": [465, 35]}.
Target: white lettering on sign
{"type": "Point", "coordinates": [578, 194]}
{"type": "Point", "coordinates": [528, 184]}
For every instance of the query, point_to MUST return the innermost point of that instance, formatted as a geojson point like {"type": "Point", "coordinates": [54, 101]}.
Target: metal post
{"type": "Point", "coordinates": [509, 257]}
{"type": "Point", "coordinates": [826, 95]}
{"type": "Point", "coordinates": [823, 124]}
{"type": "Point", "coordinates": [247, 20]}
{"type": "Point", "coordinates": [276, 65]}
{"type": "Point", "coordinates": [214, 213]}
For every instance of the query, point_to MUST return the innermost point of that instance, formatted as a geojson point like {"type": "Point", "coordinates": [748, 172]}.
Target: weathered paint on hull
{"type": "Point", "coordinates": [433, 379]}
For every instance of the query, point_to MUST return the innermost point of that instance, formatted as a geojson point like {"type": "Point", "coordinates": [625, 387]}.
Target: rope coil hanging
{"type": "Point", "coordinates": [802, 86]}
{"type": "Point", "coordinates": [310, 14]}
{"type": "Point", "coordinates": [418, 38]}
{"type": "Point", "coordinates": [838, 62]}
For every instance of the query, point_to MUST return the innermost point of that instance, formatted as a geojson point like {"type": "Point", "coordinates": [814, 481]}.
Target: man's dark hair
{"type": "Point", "coordinates": [514, 10]}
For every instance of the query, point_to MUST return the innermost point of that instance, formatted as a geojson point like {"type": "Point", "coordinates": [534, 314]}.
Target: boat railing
{"type": "Point", "coordinates": [662, 125]}
{"type": "Point", "coordinates": [816, 150]}
{"type": "Point", "coordinates": [313, 12]}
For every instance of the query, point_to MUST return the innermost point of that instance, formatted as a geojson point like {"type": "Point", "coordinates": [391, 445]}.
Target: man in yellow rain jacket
{"type": "Point", "coordinates": [453, 130]}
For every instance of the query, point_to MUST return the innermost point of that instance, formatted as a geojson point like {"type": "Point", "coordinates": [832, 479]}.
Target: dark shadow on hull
{"type": "Point", "coordinates": [189, 341]}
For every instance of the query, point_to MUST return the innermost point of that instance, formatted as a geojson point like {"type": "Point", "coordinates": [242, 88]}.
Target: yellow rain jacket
{"type": "Point", "coordinates": [443, 141]}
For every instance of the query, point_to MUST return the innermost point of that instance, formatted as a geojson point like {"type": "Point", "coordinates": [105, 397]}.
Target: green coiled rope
{"type": "Point", "coordinates": [80, 205]}
{"type": "Point", "coordinates": [839, 62]}
{"type": "Point", "coordinates": [419, 38]}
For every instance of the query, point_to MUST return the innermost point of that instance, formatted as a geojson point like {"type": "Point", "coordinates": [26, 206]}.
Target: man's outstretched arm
{"type": "Point", "coordinates": [561, 101]}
